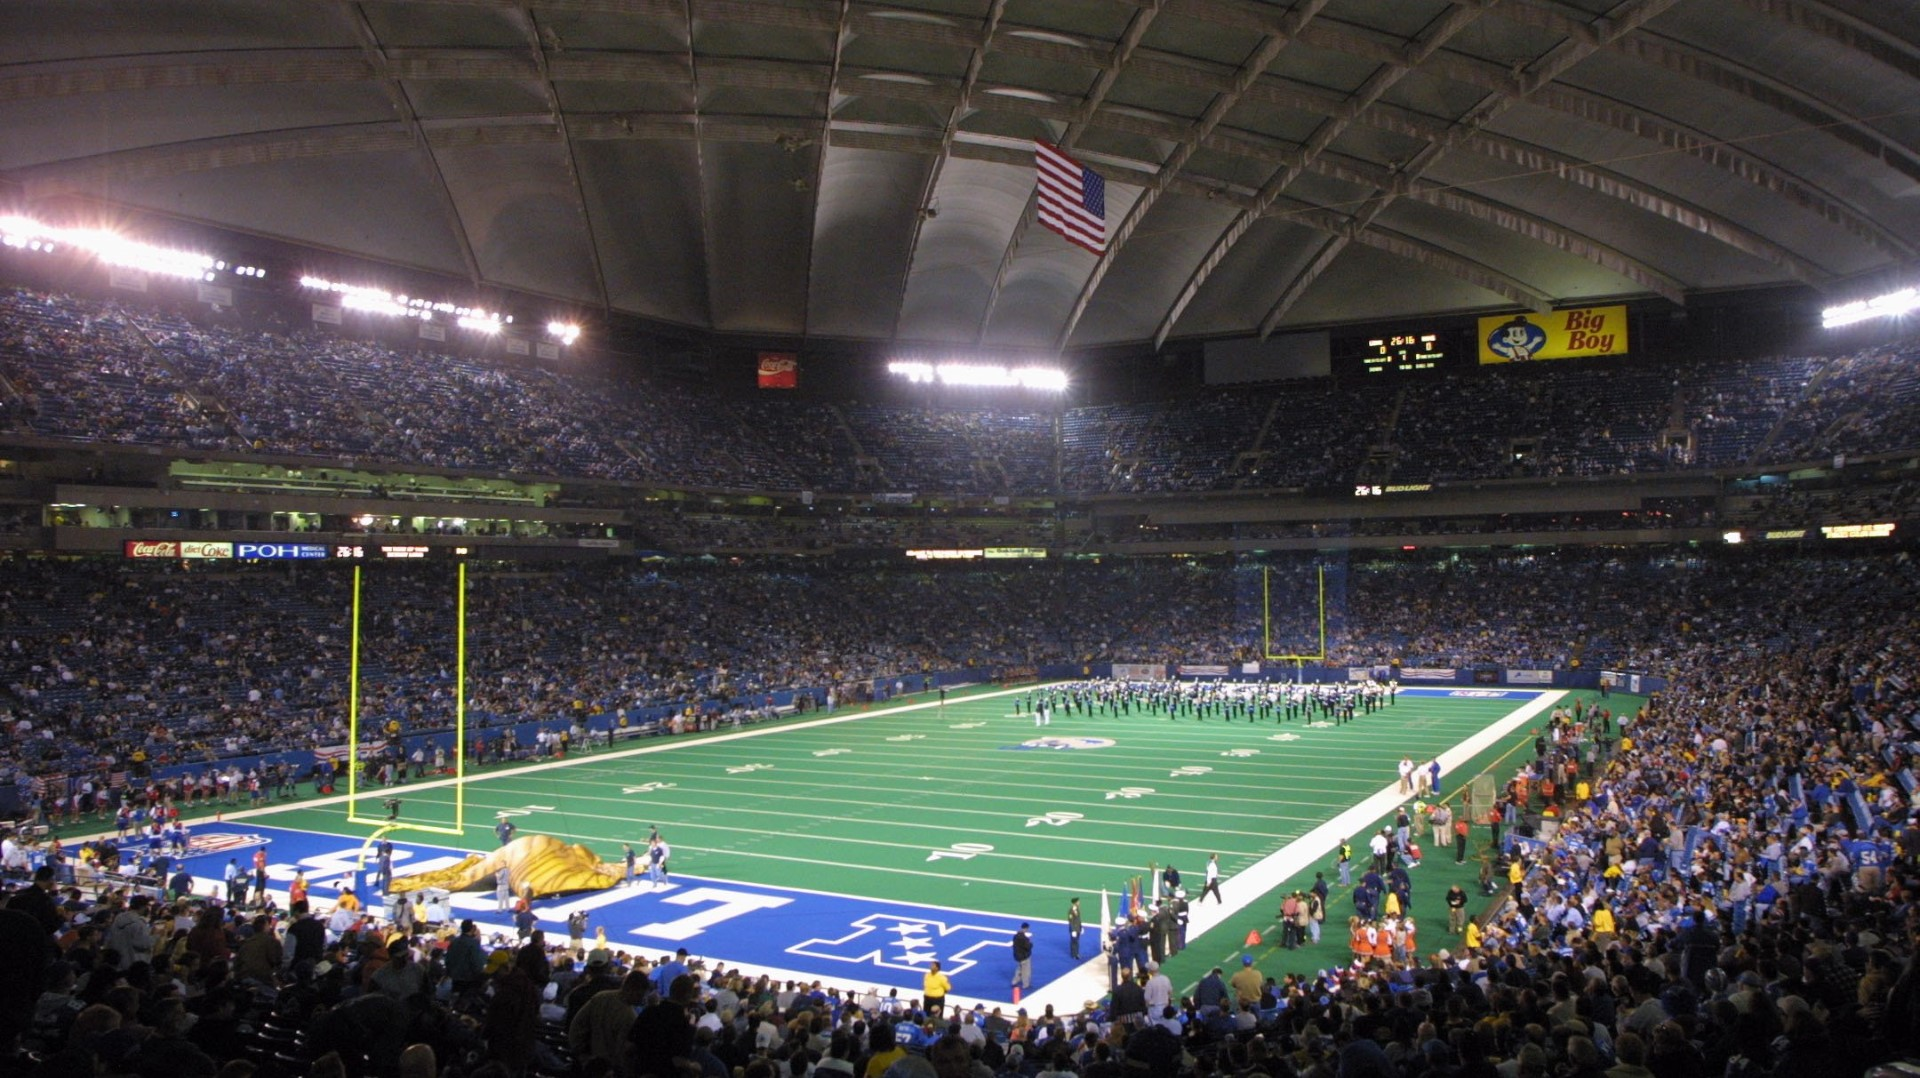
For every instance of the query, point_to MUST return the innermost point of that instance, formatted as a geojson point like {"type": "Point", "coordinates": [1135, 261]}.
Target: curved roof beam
{"type": "Point", "coordinates": [1841, 28]}
{"type": "Point", "coordinates": [1390, 72]}
{"type": "Point", "coordinates": [538, 41]}
{"type": "Point", "coordinates": [1315, 217]}
{"type": "Point", "coordinates": [346, 139]}
{"type": "Point", "coordinates": [1275, 38]}
{"type": "Point", "coordinates": [1688, 61]}
{"type": "Point", "coordinates": [64, 77]}
{"type": "Point", "coordinates": [375, 57]}
{"type": "Point", "coordinates": [1621, 20]}
{"type": "Point", "coordinates": [1665, 132]}
{"type": "Point", "coordinates": [1110, 68]}
{"type": "Point", "coordinates": [1802, 14]}
{"type": "Point", "coordinates": [962, 105]}
{"type": "Point", "coordinates": [152, 162]}
{"type": "Point", "coordinates": [1538, 229]}
{"type": "Point", "coordinates": [824, 137]}
{"type": "Point", "coordinates": [695, 72]}
{"type": "Point", "coordinates": [1353, 41]}
{"type": "Point", "coordinates": [1344, 230]}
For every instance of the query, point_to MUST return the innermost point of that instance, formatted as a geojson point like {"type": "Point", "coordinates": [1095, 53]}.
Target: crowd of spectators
{"type": "Point", "coordinates": [1728, 887]}
{"type": "Point", "coordinates": [105, 372]}
{"type": "Point", "coordinates": [107, 664]}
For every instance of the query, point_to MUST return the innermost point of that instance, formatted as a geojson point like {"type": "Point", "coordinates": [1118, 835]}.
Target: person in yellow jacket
{"type": "Point", "coordinates": [1603, 927]}
{"type": "Point", "coordinates": [934, 988]}
{"type": "Point", "coordinates": [1472, 938]}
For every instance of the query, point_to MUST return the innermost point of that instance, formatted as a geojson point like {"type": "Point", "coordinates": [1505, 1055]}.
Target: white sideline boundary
{"type": "Point", "coordinates": [1089, 981]}
{"type": "Point", "coordinates": [1068, 994]}
{"type": "Point", "coordinates": [670, 744]}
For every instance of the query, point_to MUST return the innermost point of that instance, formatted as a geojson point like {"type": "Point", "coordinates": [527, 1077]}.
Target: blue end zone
{"type": "Point", "coordinates": [1476, 694]}
{"type": "Point", "coordinates": [853, 942]}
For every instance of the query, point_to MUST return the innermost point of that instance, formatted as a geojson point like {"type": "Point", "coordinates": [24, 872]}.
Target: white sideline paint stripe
{"type": "Point", "coordinates": [1090, 981]}
{"type": "Point", "coordinates": [543, 766]}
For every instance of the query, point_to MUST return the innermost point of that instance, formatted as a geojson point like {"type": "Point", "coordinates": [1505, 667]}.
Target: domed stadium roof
{"type": "Point", "coordinates": [854, 169]}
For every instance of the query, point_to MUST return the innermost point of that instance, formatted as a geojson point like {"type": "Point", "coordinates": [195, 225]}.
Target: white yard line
{"type": "Point", "coordinates": [1090, 981]}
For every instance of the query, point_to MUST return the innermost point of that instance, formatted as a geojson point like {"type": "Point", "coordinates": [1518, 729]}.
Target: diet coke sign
{"type": "Point", "coordinates": [167, 548]}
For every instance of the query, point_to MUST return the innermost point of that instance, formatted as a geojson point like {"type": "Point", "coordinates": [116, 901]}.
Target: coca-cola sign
{"type": "Point", "coordinates": [779, 370]}
{"type": "Point", "coordinates": [168, 548]}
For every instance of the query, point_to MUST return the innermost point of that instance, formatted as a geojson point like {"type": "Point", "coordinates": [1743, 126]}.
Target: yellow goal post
{"type": "Point", "coordinates": [1266, 615]}
{"type": "Point", "coordinates": [389, 824]}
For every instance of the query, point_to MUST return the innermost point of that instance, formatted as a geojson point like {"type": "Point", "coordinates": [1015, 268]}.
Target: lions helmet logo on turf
{"type": "Point", "coordinates": [1066, 743]}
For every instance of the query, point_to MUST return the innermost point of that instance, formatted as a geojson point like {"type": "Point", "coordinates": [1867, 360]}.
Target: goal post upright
{"type": "Point", "coordinates": [1266, 616]}
{"type": "Point", "coordinates": [384, 826]}
{"type": "Point", "coordinates": [460, 705]}
{"type": "Point", "coordinates": [353, 702]}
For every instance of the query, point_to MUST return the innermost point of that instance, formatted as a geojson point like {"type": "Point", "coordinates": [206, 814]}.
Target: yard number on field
{"type": "Point", "coordinates": [648, 788]}
{"type": "Point", "coordinates": [1188, 771]}
{"type": "Point", "coordinates": [960, 851]}
{"type": "Point", "coordinates": [1056, 819]}
{"type": "Point", "coordinates": [1129, 792]}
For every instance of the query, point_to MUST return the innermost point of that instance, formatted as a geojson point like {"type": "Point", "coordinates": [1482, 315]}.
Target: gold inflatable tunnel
{"type": "Point", "coordinates": [540, 863]}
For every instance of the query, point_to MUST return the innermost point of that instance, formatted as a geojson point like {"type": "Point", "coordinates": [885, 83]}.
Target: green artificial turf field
{"type": "Point", "coordinates": [955, 805]}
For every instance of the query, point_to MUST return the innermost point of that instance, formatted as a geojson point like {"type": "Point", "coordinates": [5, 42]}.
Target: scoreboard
{"type": "Point", "coordinates": [1395, 350]}
{"type": "Point", "coordinates": [1403, 352]}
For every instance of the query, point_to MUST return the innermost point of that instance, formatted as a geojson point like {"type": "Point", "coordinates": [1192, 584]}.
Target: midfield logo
{"type": "Point", "coordinates": [907, 943]}
{"type": "Point", "coordinates": [1065, 743]}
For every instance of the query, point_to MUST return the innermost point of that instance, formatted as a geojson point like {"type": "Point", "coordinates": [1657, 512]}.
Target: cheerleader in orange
{"type": "Point", "coordinates": [1379, 942]}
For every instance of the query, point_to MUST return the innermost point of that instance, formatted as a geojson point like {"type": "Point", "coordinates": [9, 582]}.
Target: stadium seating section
{"type": "Point", "coordinates": [1760, 932]}
{"type": "Point", "coordinates": [89, 371]}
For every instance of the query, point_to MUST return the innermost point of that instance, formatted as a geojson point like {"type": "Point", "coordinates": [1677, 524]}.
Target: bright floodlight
{"type": "Point", "coordinates": [109, 247]}
{"type": "Point", "coordinates": [364, 297]}
{"type": "Point", "coordinates": [566, 332]}
{"type": "Point", "coordinates": [1890, 305]}
{"type": "Point", "coordinates": [977, 374]}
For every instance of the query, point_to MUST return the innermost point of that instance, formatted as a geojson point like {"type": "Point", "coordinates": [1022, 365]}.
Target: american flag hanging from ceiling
{"type": "Point", "coordinates": [1073, 198]}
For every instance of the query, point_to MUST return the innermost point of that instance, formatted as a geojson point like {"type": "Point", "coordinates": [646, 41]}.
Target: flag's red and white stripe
{"type": "Point", "coordinates": [1073, 198]}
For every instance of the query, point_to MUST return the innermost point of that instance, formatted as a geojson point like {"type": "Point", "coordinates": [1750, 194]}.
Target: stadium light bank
{"type": "Point", "coordinates": [360, 297]}
{"type": "Point", "coordinates": [114, 249]}
{"type": "Point", "coordinates": [1891, 305]}
{"type": "Point", "coordinates": [976, 374]}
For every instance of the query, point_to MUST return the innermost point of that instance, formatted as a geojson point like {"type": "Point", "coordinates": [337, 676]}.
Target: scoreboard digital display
{"type": "Point", "coordinates": [1404, 352]}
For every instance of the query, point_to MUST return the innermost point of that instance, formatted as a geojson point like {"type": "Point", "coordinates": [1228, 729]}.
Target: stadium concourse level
{"type": "Point", "coordinates": [91, 371]}
{"type": "Point", "coordinates": [1734, 894]}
